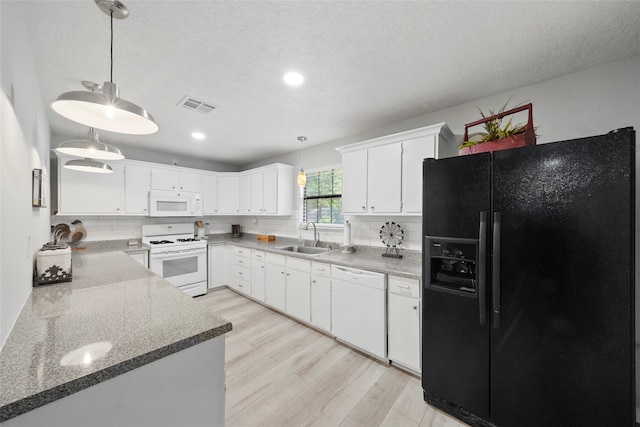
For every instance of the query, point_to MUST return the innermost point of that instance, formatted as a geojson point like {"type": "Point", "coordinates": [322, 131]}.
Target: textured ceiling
{"type": "Point", "coordinates": [366, 64]}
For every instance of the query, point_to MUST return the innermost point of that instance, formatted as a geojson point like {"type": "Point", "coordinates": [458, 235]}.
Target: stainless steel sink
{"type": "Point", "coordinates": [309, 250]}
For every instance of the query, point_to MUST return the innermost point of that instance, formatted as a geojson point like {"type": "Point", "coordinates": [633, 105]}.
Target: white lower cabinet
{"type": "Point", "coordinates": [321, 295]}
{"type": "Point", "coordinates": [217, 266]}
{"type": "Point", "coordinates": [258, 275]}
{"type": "Point", "coordinates": [404, 322]}
{"type": "Point", "coordinates": [304, 289]}
{"type": "Point", "coordinates": [240, 278]}
{"type": "Point", "coordinates": [298, 289]}
{"type": "Point", "coordinates": [275, 283]}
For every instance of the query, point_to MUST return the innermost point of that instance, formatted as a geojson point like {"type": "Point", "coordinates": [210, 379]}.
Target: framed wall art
{"type": "Point", "coordinates": [36, 188]}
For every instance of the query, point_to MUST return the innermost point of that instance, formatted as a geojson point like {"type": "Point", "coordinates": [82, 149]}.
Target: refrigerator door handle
{"type": "Point", "coordinates": [482, 260]}
{"type": "Point", "coordinates": [495, 270]}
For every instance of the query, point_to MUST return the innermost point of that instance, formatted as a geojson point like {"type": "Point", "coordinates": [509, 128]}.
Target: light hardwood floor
{"type": "Point", "coordinates": [282, 373]}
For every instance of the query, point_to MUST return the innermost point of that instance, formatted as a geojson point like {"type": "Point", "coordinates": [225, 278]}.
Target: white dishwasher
{"type": "Point", "coordinates": [358, 309]}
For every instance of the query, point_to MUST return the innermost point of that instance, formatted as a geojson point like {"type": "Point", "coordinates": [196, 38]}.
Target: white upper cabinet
{"type": "Point", "coordinates": [384, 179]}
{"type": "Point", "coordinates": [267, 190]}
{"type": "Point", "coordinates": [229, 194]}
{"type": "Point", "coordinates": [384, 175]}
{"type": "Point", "coordinates": [270, 193]}
{"type": "Point", "coordinates": [257, 192]}
{"type": "Point", "coordinates": [371, 180]}
{"type": "Point", "coordinates": [90, 193]}
{"type": "Point", "coordinates": [137, 183]}
{"type": "Point", "coordinates": [190, 181]}
{"type": "Point", "coordinates": [209, 194]}
{"type": "Point", "coordinates": [354, 182]}
{"type": "Point", "coordinates": [414, 152]}
{"type": "Point", "coordinates": [172, 179]}
{"type": "Point", "coordinates": [271, 190]}
{"type": "Point", "coordinates": [245, 194]}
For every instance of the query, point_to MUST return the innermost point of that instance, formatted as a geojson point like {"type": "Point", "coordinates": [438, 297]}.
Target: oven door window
{"type": "Point", "coordinates": [179, 267]}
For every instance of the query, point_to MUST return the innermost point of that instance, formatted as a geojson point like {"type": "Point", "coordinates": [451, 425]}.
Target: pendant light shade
{"type": "Point", "coordinates": [90, 148]}
{"type": "Point", "coordinates": [102, 107]}
{"type": "Point", "coordinates": [105, 110]}
{"type": "Point", "coordinates": [88, 165]}
{"type": "Point", "coordinates": [302, 176]}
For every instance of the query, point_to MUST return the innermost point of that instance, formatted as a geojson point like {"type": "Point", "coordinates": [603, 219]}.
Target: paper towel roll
{"type": "Point", "coordinates": [347, 233]}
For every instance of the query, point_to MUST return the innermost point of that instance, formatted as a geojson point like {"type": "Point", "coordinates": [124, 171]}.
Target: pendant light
{"type": "Point", "coordinates": [88, 165]}
{"type": "Point", "coordinates": [302, 177]}
{"type": "Point", "coordinates": [103, 108]}
{"type": "Point", "coordinates": [90, 148]}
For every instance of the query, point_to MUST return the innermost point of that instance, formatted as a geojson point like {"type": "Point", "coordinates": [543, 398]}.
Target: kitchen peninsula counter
{"type": "Point", "coordinates": [365, 257]}
{"type": "Point", "coordinates": [115, 316]}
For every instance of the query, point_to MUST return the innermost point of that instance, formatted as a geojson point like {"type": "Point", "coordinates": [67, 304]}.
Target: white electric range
{"type": "Point", "coordinates": [178, 257]}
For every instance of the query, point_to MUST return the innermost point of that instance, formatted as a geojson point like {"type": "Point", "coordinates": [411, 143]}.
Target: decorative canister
{"type": "Point", "coordinates": [53, 264]}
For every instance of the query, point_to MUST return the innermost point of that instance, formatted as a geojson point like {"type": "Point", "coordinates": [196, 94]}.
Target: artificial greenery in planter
{"type": "Point", "coordinates": [497, 136]}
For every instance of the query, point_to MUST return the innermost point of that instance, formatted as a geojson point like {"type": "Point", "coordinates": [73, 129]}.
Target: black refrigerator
{"type": "Point", "coordinates": [528, 284]}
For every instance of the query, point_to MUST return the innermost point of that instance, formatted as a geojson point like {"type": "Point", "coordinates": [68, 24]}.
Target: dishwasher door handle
{"type": "Point", "coordinates": [357, 274]}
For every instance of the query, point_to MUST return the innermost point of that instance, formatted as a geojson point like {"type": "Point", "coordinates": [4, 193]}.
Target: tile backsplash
{"type": "Point", "coordinates": [365, 230]}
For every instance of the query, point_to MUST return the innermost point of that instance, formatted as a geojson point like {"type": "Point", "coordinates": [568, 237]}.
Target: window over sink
{"type": "Point", "coordinates": [321, 199]}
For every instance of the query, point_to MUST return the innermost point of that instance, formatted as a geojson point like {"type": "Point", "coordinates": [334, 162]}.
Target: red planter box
{"type": "Point", "coordinates": [528, 137]}
{"type": "Point", "coordinates": [514, 141]}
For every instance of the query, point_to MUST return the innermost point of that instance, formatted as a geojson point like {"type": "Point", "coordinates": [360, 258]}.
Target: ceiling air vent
{"type": "Point", "coordinates": [194, 104]}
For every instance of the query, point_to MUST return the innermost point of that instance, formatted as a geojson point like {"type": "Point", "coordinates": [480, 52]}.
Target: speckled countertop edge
{"type": "Point", "coordinates": [35, 401]}
{"type": "Point", "coordinates": [365, 257]}
{"type": "Point", "coordinates": [48, 394]}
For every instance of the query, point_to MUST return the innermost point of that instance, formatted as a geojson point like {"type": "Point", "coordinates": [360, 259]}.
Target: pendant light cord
{"type": "Point", "coordinates": [111, 52]}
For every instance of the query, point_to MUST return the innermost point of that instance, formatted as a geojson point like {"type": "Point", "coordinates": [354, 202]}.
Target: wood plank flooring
{"type": "Point", "coordinates": [282, 373]}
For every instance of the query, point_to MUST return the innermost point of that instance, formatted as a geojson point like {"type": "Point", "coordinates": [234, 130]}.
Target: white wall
{"type": "Point", "coordinates": [24, 145]}
{"type": "Point", "coordinates": [589, 102]}
{"type": "Point", "coordinates": [585, 103]}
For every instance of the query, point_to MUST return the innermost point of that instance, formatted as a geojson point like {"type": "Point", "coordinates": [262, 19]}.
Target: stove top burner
{"type": "Point", "coordinates": [160, 242]}
{"type": "Point", "coordinates": [191, 239]}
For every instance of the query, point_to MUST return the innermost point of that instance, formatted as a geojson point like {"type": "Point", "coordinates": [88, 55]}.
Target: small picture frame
{"type": "Point", "coordinates": [36, 189]}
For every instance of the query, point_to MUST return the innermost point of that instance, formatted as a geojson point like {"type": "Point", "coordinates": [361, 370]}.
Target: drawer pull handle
{"type": "Point", "coordinates": [403, 286]}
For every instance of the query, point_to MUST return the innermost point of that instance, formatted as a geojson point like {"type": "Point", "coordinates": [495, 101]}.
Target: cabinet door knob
{"type": "Point", "coordinates": [415, 307]}
{"type": "Point", "coordinates": [364, 208]}
{"type": "Point", "coordinates": [373, 207]}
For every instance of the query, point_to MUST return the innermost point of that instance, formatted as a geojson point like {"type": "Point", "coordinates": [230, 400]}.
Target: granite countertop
{"type": "Point", "coordinates": [366, 258]}
{"type": "Point", "coordinates": [120, 312]}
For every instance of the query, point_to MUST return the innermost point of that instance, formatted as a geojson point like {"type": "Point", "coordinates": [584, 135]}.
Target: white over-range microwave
{"type": "Point", "coordinates": [174, 203]}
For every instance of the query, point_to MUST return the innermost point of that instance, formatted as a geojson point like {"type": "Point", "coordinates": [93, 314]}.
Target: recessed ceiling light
{"type": "Point", "coordinates": [293, 79]}
{"type": "Point", "coordinates": [198, 135]}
